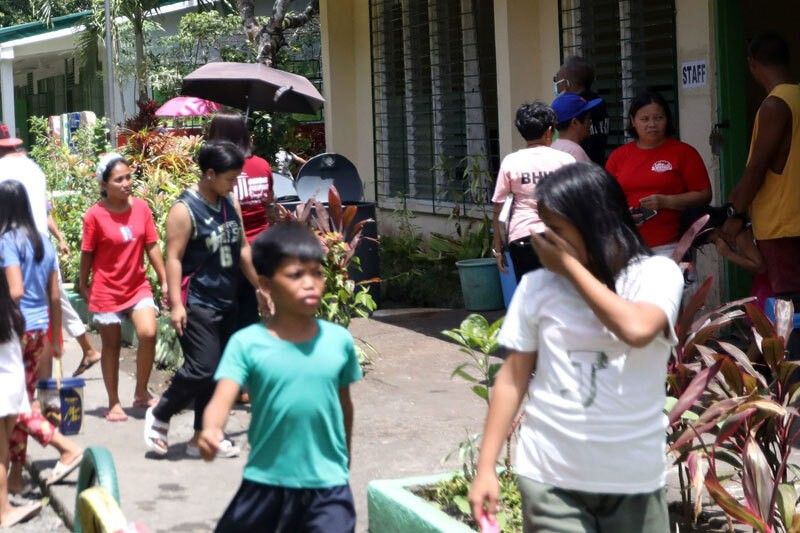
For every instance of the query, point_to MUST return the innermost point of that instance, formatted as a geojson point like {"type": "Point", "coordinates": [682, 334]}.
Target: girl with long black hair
{"type": "Point", "coordinates": [13, 399]}
{"type": "Point", "coordinates": [596, 324]}
{"type": "Point", "coordinates": [29, 264]}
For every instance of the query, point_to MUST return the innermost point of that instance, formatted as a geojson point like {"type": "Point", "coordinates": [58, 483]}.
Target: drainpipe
{"type": "Point", "coordinates": [109, 77]}
{"type": "Point", "coordinates": [7, 89]}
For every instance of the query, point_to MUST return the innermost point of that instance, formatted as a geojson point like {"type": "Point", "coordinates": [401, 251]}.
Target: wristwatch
{"type": "Point", "coordinates": [495, 253]}
{"type": "Point", "coordinates": [730, 211]}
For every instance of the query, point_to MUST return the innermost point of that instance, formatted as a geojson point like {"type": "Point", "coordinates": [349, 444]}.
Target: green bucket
{"type": "Point", "coordinates": [480, 284]}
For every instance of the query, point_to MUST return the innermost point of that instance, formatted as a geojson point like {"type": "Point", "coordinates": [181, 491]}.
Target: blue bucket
{"type": "Point", "coordinates": [63, 407]}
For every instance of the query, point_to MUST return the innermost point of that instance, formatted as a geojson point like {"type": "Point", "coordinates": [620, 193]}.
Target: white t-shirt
{"type": "Point", "coordinates": [519, 173]}
{"type": "Point", "coordinates": [23, 169]}
{"type": "Point", "coordinates": [572, 148]}
{"type": "Point", "coordinates": [594, 418]}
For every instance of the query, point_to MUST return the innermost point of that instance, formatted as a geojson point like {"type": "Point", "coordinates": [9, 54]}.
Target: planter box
{"type": "Point", "coordinates": [79, 305]}
{"type": "Point", "coordinates": [393, 508]}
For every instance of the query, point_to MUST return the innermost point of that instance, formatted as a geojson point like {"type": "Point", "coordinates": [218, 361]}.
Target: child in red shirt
{"type": "Point", "coordinates": [117, 231]}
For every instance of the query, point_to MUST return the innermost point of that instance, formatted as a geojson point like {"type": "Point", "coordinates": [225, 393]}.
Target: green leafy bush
{"type": "Point", "coordinates": [70, 180]}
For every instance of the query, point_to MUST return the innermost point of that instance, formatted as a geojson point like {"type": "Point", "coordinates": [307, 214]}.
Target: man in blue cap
{"type": "Point", "coordinates": [573, 113]}
{"type": "Point", "coordinates": [576, 76]}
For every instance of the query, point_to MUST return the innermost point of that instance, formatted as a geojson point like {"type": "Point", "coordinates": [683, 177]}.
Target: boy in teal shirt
{"type": "Point", "coordinates": [298, 370]}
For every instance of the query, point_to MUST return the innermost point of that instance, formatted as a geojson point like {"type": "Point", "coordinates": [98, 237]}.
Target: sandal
{"type": "Point", "coordinates": [21, 514]}
{"type": "Point", "coordinates": [84, 366]}
{"type": "Point", "coordinates": [155, 433]}
{"type": "Point", "coordinates": [62, 470]}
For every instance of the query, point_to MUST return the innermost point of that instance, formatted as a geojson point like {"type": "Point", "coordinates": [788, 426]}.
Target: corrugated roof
{"type": "Point", "coordinates": [29, 29]}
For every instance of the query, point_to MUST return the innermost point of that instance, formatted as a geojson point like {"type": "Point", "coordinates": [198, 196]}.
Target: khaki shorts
{"type": "Point", "coordinates": [548, 509]}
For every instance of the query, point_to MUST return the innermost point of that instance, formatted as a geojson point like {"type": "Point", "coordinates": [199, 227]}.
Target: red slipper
{"type": "Point", "coordinates": [116, 417]}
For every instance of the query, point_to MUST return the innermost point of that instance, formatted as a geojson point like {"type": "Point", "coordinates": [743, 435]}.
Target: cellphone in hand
{"type": "Point", "coordinates": [642, 214]}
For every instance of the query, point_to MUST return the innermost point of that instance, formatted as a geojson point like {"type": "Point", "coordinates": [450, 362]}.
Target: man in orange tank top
{"type": "Point", "coordinates": [769, 190]}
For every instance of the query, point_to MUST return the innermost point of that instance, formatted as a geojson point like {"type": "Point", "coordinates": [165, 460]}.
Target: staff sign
{"type": "Point", "coordinates": [694, 74]}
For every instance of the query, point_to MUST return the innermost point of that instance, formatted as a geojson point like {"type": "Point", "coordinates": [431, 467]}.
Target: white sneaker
{"type": "Point", "coordinates": [227, 450]}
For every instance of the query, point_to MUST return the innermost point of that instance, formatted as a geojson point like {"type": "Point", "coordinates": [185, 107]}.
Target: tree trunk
{"type": "Point", "coordinates": [269, 38]}
{"type": "Point", "coordinates": [141, 61]}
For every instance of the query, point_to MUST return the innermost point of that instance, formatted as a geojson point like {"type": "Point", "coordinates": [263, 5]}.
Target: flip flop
{"type": "Point", "coordinates": [61, 470]}
{"type": "Point", "coordinates": [21, 514]}
{"type": "Point", "coordinates": [84, 366]}
{"type": "Point", "coordinates": [116, 417]}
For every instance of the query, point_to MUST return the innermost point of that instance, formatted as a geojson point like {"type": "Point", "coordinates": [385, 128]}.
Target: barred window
{"type": "Point", "coordinates": [435, 101]}
{"type": "Point", "coordinates": [632, 46]}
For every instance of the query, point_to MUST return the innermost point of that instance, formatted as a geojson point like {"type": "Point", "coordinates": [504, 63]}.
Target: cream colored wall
{"type": "Point", "coordinates": [527, 52]}
{"type": "Point", "coordinates": [347, 84]}
{"type": "Point", "coordinates": [698, 107]}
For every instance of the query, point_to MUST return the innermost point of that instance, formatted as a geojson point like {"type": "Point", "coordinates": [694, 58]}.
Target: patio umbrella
{"type": "Point", "coordinates": [253, 86]}
{"type": "Point", "coordinates": [187, 106]}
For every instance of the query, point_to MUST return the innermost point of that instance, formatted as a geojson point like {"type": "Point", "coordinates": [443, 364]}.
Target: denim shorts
{"type": "Point", "coordinates": [116, 317]}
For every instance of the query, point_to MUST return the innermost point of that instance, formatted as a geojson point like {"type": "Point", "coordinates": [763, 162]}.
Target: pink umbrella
{"type": "Point", "coordinates": [187, 106]}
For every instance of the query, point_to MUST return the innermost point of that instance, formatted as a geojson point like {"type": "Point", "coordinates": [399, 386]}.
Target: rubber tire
{"type": "Point", "coordinates": [100, 512]}
{"type": "Point", "coordinates": [97, 469]}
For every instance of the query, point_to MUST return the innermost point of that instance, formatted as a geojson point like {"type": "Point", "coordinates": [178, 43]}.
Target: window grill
{"type": "Point", "coordinates": [632, 46]}
{"type": "Point", "coordinates": [434, 87]}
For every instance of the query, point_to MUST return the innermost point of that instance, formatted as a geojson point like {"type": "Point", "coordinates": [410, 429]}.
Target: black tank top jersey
{"type": "Point", "coordinates": [212, 253]}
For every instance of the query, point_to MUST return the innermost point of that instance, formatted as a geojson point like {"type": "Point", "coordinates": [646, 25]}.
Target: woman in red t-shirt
{"type": "Point", "coordinates": [658, 173]}
{"type": "Point", "coordinates": [117, 232]}
{"type": "Point", "coordinates": [253, 192]}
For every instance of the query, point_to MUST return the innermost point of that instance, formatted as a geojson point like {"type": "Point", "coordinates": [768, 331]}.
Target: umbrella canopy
{"type": "Point", "coordinates": [187, 106]}
{"type": "Point", "coordinates": [253, 86]}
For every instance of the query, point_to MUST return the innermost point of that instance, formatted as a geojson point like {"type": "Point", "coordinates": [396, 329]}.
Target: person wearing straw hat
{"type": "Point", "coordinates": [117, 232]}
{"type": "Point", "coordinates": [29, 265]}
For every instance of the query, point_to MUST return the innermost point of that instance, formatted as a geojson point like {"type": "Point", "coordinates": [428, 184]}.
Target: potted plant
{"type": "Point", "coordinates": [470, 252]}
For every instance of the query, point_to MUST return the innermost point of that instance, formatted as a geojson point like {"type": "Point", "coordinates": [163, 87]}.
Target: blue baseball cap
{"type": "Point", "coordinates": [569, 105]}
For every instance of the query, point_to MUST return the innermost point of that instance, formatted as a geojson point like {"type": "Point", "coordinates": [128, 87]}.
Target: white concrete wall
{"type": "Point", "coordinates": [698, 108]}
{"type": "Point", "coordinates": [347, 85]}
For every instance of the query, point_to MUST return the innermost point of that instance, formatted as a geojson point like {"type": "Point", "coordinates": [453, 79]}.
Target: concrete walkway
{"type": "Point", "coordinates": [409, 415]}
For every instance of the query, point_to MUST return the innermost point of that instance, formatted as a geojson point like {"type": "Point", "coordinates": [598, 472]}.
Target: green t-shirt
{"type": "Point", "coordinates": [296, 434]}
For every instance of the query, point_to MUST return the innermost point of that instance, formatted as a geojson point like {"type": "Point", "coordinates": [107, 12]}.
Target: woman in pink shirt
{"type": "Point", "coordinates": [117, 231]}
{"type": "Point", "coordinates": [519, 173]}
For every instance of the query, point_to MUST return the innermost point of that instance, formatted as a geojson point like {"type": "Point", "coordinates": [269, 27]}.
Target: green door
{"type": "Point", "coordinates": [731, 116]}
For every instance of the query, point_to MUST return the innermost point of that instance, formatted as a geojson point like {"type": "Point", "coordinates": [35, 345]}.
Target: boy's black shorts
{"type": "Point", "coordinates": [272, 509]}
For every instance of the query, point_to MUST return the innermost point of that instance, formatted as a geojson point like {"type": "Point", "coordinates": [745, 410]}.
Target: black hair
{"type": "Point", "coordinates": [769, 49]}
{"type": "Point", "coordinates": [111, 166]}
{"type": "Point", "coordinates": [16, 215]}
{"type": "Point", "coordinates": [231, 127]}
{"type": "Point", "coordinates": [561, 126]}
{"type": "Point", "coordinates": [534, 119]}
{"type": "Point", "coordinates": [281, 241]}
{"type": "Point", "coordinates": [593, 201]}
{"type": "Point", "coordinates": [580, 71]}
{"type": "Point", "coordinates": [220, 156]}
{"type": "Point", "coordinates": [646, 98]}
{"type": "Point", "coordinates": [11, 320]}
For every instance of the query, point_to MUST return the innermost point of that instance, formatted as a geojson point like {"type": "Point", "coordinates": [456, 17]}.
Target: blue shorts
{"type": "Point", "coordinates": [273, 509]}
